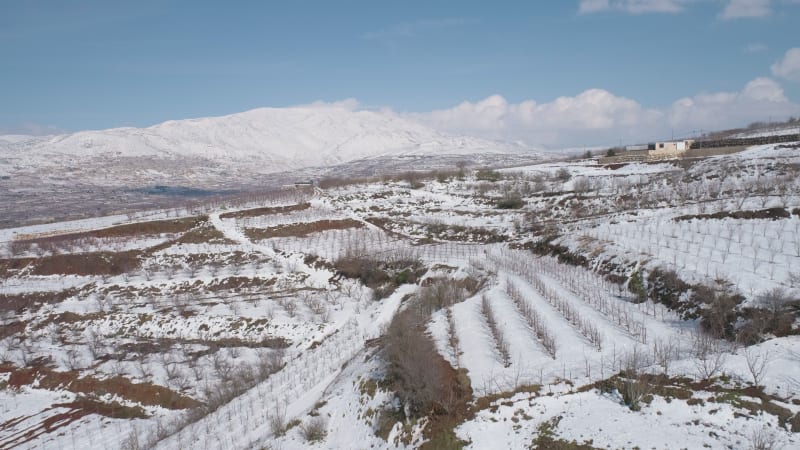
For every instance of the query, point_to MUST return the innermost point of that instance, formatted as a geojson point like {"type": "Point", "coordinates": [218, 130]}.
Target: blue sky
{"type": "Point", "coordinates": [74, 65]}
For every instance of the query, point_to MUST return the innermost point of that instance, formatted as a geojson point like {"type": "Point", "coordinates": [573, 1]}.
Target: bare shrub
{"type": "Point", "coordinates": [633, 385]}
{"type": "Point", "coordinates": [582, 186]}
{"type": "Point", "coordinates": [563, 175]}
{"type": "Point", "coordinates": [277, 421]}
{"type": "Point", "coordinates": [289, 306]}
{"type": "Point", "coordinates": [763, 439]}
{"type": "Point", "coordinates": [719, 313]}
{"type": "Point", "coordinates": [633, 390]}
{"type": "Point", "coordinates": [315, 429]}
{"type": "Point", "coordinates": [778, 303]}
{"type": "Point", "coordinates": [441, 293]}
{"type": "Point", "coordinates": [269, 363]}
{"type": "Point", "coordinates": [132, 441]}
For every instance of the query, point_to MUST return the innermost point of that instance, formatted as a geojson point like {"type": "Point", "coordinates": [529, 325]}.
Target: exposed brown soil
{"type": "Point", "coordinates": [268, 211]}
{"type": "Point", "coordinates": [143, 393]}
{"type": "Point", "coordinates": [301, 229]}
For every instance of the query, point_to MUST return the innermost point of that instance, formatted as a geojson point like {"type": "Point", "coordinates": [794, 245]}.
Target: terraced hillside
{"type": "Point", "coordinates": [521, 308]}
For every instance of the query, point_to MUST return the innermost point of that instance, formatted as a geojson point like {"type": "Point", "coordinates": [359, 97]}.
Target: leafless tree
{"type": "Point", "coordinates": [222, 366]}
{"type": "Point", "coordinates": [169, 365]}
{"type": "Point", "coordinates": [756, 364]}
{"type": "Point", "coordinates": [664, 352]}
{"type": "Point", "coordinates": [72, 359]}
{"type": "Point", "coordinates": [500, 342]}
{"type": "Point", "coordinates": [95, 343]}
{"type": "Point", "coordinates": [709, 356]}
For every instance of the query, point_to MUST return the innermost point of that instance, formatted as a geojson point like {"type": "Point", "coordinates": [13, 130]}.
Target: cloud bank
{"type": "Point", "coordinates": [789, 66]}
{"type": "Point", "coordinates": [598, 117]}
{"type": "Point", "coordinates": [733, 9]}
{"type": "Point", "coordinates": [737, 9]}
{"type": "Point", "coordinates": [631, 6]}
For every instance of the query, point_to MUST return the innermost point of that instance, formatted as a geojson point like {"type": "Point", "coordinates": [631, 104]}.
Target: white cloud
{"type": "Point", "coordinates": [594, 114]}
{"type": "Point", "coordinates": [598, 117]}
{"type": "Point", "coordinates": [632, 6]}
{"type": "Point", "coordinates": [789, 66]}
{"type": "Point", "coordinates": [592, 6]}
{"type": "Point", "coordinates": [760, 99]}
{"type": "Point", "coordinates": [349, 104]}
{"type": "Point", "coordinates": [736, 9]}
{"type": "Point", "coordinates": [733, 9]}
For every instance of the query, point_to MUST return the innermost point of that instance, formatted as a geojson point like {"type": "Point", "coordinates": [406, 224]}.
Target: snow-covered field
{"type": "Point", "coordinates": [265, 323]}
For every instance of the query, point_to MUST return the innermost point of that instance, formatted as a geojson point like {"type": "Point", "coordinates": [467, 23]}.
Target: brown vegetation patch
{"type": "Point", "coordinates": [546, 247]}
{"type": "Point", "coordinates": [384, 224]}
{"type": "Point", "coordinates": [426, 383]}
{"type": "Point", "coordinates": [487, 401]}
{"type": "Point", "coordinates": [113, 410]}
{"type": "Point", "coordinates": [318, 263]}
{"type": "Point", "coordinates": [236, 257]}
{"type": "Point", "coordinates": [77, 409]}
{"type": "Point", "coordinates": [204, 233]}
{"type": "Point", "coordinates": [20, 302]}
{"type": "Point", "coordinates": [133, 229]}
{"type": "Point", "coordinates": [143, 393]}
{"type": "Point", "coordinates": [459, 233]}
{"type": "Point", "coordinates": [95, 263]}
{"type": "Point", "coordinates": [11, 329]}
{"type": "Point", "coordinates": [267, 211]}
{"type": "Point", "coordinates": [769, 213]}
{"type": "Point", "coordinates": [68, 317]}
{"type": "Point", "coordinates": [301, 229]}
{"type": "Point", "coordinates": [237, 284]}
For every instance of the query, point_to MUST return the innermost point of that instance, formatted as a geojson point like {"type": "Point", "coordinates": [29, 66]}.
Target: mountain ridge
{"type": "Point", "coordinates": [279, 138]}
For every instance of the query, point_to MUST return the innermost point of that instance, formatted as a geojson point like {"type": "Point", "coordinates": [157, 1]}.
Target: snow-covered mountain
{"type": "Point", "coordinates": [266, 139]}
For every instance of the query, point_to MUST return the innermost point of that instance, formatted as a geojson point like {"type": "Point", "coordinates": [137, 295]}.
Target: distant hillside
{"type": "Point", "coordinates": [267, 140]}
